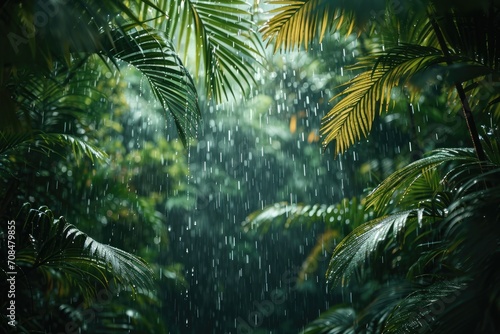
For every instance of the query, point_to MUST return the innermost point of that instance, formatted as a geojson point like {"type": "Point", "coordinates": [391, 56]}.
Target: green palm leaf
{"type": "Point", "coordinates": [400, 183]}
{"type": "Point", "coordinates": [420, 310]}
{"type": "Point", "coordinates": [57, 248]}
{"type": "Point", "coordinates": [13, 147]}
{"type": "Point", "coordinates": [50, 113]}
{"type": "Point", "coordinates": [468, 26]}
{"type": "Point", "coordinates": [365, 241]}
{"type": "Point", "coordinates": [337, 320]}
{"type": "Point", "coordinates": [224, 37]}
{"type": "Point", "coordinates": [348, 211]}
{"type": "Point", "coordinates": [367, 317]}
{"type": "Point", "coordinates": [153, 55]}
{"type": "Point", "coordinates": [70, 27]}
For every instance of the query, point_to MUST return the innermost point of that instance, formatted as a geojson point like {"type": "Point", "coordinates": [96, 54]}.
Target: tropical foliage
{"type": "Point", "coordinates": [59, 63]}
{"type": "Point", "coordinates": [420, 41]}
{"type": "Point", "coordinates": [126, 223]}
{"type": "Point", "coordinates": [429, 254]}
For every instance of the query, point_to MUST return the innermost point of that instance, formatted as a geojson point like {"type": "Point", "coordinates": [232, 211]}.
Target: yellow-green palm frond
{"type": "Point", "coordinates": [299, 22]}
{"type": "Point", "coordinates": [369, 93]}
{"type": "Point", "coordinates": [324, 244]}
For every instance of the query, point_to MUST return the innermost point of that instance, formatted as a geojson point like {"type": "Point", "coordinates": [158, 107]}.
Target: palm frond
{"type": "Point", "coordinates": [298, 22]}
{"type": "Point", "coordinates": [52, 116]}
{"type": "Point", "coordinates": [405, 23]}
{"type": "Point", "coordinates": [339, 219]}
{"type": "Point", "coordinates": [56, 247]}
{"type": "Point", "coordinates": [473, 216]}
{"type": "Point", "coordinates": [79, 147]}
{"type": "Point", "coordinates": [367, 240]}
{"type": "Point", "coordinates": [339, 319]}
{"type": "Point", "coordinates": [324, 245]}
{"type": "Point", "coordinates": [153, 55]}
{"type": "Point", "coordinates": [13, 146]}
{"type": "Point", "coordinates": [57, 102]}
{"type": "Point", "coordinates": [403, 181]}
{"type": "Point", "coordinates": [484, 94]}
{"type": "Point", "coordinates": [369, 93]}
{"type": "Point", "coordinates": [491, 144]}
{"type": "Point", "coordinates": [225, 38]}
{"type": "Point", "coordinates": [420, 310]}
{"type": "Point", "coordinates": [348, 211]}
{"type": "Point", "coordinates": [466, 27]}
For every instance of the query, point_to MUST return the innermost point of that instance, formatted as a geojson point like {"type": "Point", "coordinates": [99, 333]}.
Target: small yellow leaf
{"type": "Point", "coordinates": [293, 124]}
{"type": "Point", "coordinates": [312, 137]}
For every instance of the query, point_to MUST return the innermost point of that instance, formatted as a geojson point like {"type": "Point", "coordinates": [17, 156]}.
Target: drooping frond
{"type": "Point", "coordinates": [339, 219]}
{"type": "Point", "coordinates": [361, 317]}
{"type": "Point", "coordinates": [298, 23]}
{"type": "Point", "coordinates": [405, 22]}
{"type": "Point", "coordinates": [56, 246]}
{"type": "Point", "coordinates": [152, 54]}
{"type": "Point", "coordinates": [365, 241]}
{"type": "Point", "coordinates": [369, 93]}
{"type": "Point", "coordinates": [471, 29]}
{"type": "Point", "coordinates": [66, 28]}
{"type": "Point", "coordinates": [224, 36]}
{"type": "Point", "coordinates": [50, 113]}
{"type": "Point", "coordinates": [49, 102]}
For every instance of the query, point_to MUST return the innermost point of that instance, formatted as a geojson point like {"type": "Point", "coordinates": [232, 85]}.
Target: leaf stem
{"type": "Point", "coordinates": [469, 119]}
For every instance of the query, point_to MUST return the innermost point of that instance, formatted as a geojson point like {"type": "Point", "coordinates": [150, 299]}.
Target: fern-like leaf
{"type": "Point", "coordinates": [337, 320]}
